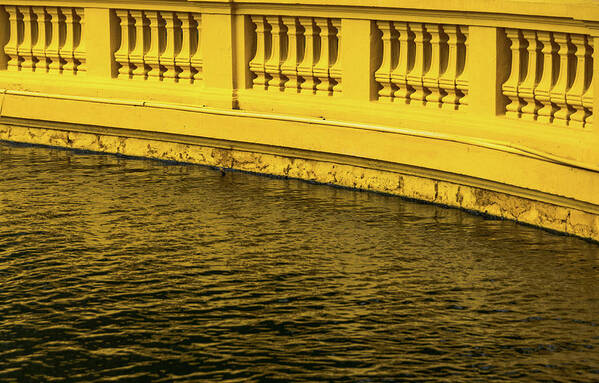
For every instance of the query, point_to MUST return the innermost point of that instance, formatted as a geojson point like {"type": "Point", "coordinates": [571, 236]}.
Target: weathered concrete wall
{"type": "Point", "coordinates": [541, 214]}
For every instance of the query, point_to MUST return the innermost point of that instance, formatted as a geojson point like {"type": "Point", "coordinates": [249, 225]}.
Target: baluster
{"type": "Point", "coordinates": [431, 78]}
{"type": "Point", "coordinates": [67, 50]}
{"type": "Point", "coordinates": [11, 49]}
{"type": "Point", "coordinates": [322, 67]}
{"type": "Point", "coordinates": [26, 43]}
{"type": "Point", "coordinates": [574, 95]}
{"type": "Point", "coordinates": [447, 81]}
{"type": "Point", "coordinates": [417, 73]}
{"type": "Point", "coordinates": [543, 89]}
{"type": "Point", "coordinates": [587, 98]}
{"type": "Point", "coordinates": [558, 93]}
{"type": "Point", "coordinates": [197, 61]}
{"type": "Point", "coordinates": [587, 101]}
{"type": "Point", "coordinates": [289, 66]}
{"type": "Point", "coordinates": [183, 58]}
{"type": "Point", "coordinates": [137, 52]}
{"type": "Point", "coordinates": [462, 82]}
{"type": "Point", "coordinates": [273, 64]}
{"type": "Point", "coordinates": [257, 65]}
{"type": "Point", "coordinates": [336, 71]}
{"type": "Point", "coordinates": [122, 55]}
{"type": "Point", "coordinates": [167, 59]}
{"type": "Point", "coordinates": [39, 49]}
{"type": "Point", "coordinates": [81, 49]}
{"type": "Point", "coordinates": [52, 51]}
{"type": "Point", "coordinates": [527, 88]}
{"type": "Point", "coordinates": [510, 87]}
{"type": "Point", "coordinates": [152, 58]}
{"type": "Point", "coordinates": [399, 75]}
{"type": "Point", "coordinates": [306, 67]}
{"type": "Point", "coordinates": [383, 73]}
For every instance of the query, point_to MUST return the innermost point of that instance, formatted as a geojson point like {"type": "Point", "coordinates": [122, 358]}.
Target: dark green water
{"type": "Point", "coordinates": [134, 270]}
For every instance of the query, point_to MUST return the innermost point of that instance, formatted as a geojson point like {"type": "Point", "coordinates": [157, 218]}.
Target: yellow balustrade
{"type": "Point", "coordinates": [551, 76]}
{"type": "Point", "coordinates": [281, 41]}
{"type": "Point", "coordinates": [159, 45]}
{"type": "Point", "coordinates": [444, 101]}
{"type": "Point", "coordinates": [45, 39]}
{"type": "Point", "coordinates": [423, 64]}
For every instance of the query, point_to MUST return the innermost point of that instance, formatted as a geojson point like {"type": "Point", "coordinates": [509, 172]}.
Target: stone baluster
{"type": "Point", "coordinates": [152, 57]}
{"type": "Point", "coordinates": [183, 58]}
{"type": "Point", "coordinates": [11, 49]}
{"type": "Point", "coordinates": [383, 73]}
{"type": "Point", "coordinates": [527, 88]}
{"type": "Point", "coordinates": [26, 43]}
{"type": "Point", "coordinates": [543, 88]}
{"type": "Point", "coordinates": [587, 98]}
{"type": "Point", "coordinates": [273, 64]}
{"type": "Point", "coordinates": [510, 87]}
{"type": "Point", "coordinates": [558, 93]}
{"type": "Point", "coordinates": [462, 80]}
{"type": "Point", "coordinates": [52, 51]}
{"type": "Point", "coordinates": [399, 75]}
{"type": "Point", "coordinates": [80, 53]}
{"type": "Point", "coordinates": [197, 60]}
{"type": "Point", "coordinates": [306, 68]}
{"type": "Point", "coordinates": [68, 48]}
{"type": "Point", "coordinates": [587, 101]}
{"type": "Point", "coordinates": [257, 64]}
{"type": "Point", "coordinates": [321, 68]}
{"type": "Point", "coordinates": [417, 73]}
{"type": "Point", "coordinates": [167, 58]}
{"type": "Point", "coordinates": [576, 91]}
{"type": "Point", "coordinates": [289, 66]}
{"type": "Point", "coordinates": [138, 51]}
{"type": "Point", "coordinates": [336, 71]}
{"type": "Point", "coordinates": [431, 79]}
{"type": "Point", "coordinates": [122, 54]}
{"type": "Point", "coordinates": [39, 49]}
{"type": "Point", "coordinates": [447, 81]}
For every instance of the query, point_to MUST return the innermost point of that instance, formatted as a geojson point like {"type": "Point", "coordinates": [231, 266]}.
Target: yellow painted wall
{"type": "Point", "coordinates": [498, 95]}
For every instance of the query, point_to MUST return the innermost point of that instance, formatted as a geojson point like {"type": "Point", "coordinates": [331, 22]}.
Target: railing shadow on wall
{"type": "Point", "coordinates": [508, 76]}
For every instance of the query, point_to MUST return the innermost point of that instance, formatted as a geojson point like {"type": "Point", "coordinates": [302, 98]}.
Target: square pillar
{"type": "Point", "coordinates": [356, 48]}
{"type": "Point", "coordinates": [596, 84]}
{"type": "Point", "coordinates": [101, 31]}
{"type": "Point", "coordinates": [217, 45]}
{"type": "Point", "coordinates": [4, 36]}
{"type": "Point", "coordinates": [488, 68]}
{"type": "Point", "coordinates": [243, 30]}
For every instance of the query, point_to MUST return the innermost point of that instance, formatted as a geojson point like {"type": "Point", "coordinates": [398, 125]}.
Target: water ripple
{"type": "Point", "coordinates": [115, 269]}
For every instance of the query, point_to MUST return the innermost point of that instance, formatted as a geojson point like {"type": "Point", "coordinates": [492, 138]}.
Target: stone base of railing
{"type": "Point", "coordinates": [332, 170]}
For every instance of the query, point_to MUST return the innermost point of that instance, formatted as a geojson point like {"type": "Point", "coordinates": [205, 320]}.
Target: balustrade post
{"type": "Point", "coordinates": [101, 34]}
{"type": "Point", "coordinates": [358, 58]}
{"type": "Point", "coordinates": [167, 58]}
{"type": "Point", "coordinates": [595, 83]}
{"type": "Point", "coordinates": [11, 48]}
{"type": "Point", "coordinates": [488, 68]}
{"type": "Point", "coordinates": [26, 44]}
{"type": "Point", "coordinates": [217, 43]}
{"type": "Point", "coordinates": [4, 36]}
{"type": "Point", "coordinates": [244, 30]}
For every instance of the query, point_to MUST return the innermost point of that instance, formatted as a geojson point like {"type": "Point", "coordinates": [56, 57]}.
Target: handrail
{"type": "Point", "coordinates": [584, 10]}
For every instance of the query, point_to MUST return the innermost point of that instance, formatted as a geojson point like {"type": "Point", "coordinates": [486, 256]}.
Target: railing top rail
{"type": "Point", "coordinates": [574, 9]}
{"type": "Point", "coordinates": [584, 10]}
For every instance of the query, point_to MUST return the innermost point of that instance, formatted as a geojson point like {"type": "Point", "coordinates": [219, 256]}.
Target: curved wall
{"type": "Point", "coordinates": [468, 106]}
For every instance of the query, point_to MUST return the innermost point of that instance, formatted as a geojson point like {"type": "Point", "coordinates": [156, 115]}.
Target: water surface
{"type": "Point", "coordinates": [135, 270]}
